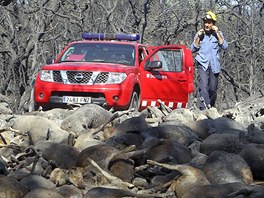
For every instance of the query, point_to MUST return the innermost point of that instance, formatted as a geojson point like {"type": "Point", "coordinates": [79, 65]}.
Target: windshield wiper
{"type": "Point", "coordinates": [98, 60]}
{"type": "Point", "coordinates": [70, 61]}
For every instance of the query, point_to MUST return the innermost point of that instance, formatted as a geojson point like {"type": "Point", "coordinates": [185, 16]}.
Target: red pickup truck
{"type": "Point", "coordinates": [115, 71]}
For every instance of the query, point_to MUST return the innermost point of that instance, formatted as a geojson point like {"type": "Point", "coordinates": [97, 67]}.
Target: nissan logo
{"type": "Point", "coordinates": [78, 77]}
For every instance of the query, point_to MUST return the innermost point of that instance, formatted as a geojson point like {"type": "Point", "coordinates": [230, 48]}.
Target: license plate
{"type": "Point", "coordinates": [75, 99]}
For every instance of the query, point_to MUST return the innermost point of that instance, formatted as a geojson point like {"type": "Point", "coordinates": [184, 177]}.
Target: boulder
{"type": "Point", "coordinates": [40, 128]}
{"type": "Point", "coordinates": [85, 118]}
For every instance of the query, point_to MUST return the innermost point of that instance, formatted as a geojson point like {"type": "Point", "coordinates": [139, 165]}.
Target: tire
{"type": "Point", "coordinates": [134, 102]}
{"type": "Point", "coordinates": [35, 107]}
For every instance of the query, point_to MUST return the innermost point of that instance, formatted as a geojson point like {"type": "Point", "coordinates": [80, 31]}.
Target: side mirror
{"type": "Point", "coordinates": [49, 60]}
{"type": "Point", "coordinates": [154, 65]}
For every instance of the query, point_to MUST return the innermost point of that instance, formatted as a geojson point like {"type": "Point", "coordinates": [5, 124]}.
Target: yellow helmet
{"type": "Point", "coordinates": [210, 16]}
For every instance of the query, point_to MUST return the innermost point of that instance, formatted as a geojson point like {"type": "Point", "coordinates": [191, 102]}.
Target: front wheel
{"type": "Point", "coordinates": [134, 102]}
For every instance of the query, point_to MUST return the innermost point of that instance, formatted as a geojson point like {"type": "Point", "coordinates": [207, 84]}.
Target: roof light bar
{"type": "Point", "coordinates": [107, 36]}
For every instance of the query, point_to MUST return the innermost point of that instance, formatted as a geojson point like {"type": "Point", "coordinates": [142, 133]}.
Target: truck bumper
{"type": "Point", "coordinates": [50, 94]}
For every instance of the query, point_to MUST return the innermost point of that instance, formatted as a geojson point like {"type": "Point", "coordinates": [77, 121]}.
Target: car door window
{"type": "Point", "coordinates": [171, 60]}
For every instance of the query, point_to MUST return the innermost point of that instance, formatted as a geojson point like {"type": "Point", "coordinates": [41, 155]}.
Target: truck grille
{"type": "Point", "coordinates": [57, 76]}
{"type": "Point", "coordinates": [76, 77]}
{"type": "Point", "coordinates": [102, 77]}
{"type": "Point", "coordinates": [80, 77]}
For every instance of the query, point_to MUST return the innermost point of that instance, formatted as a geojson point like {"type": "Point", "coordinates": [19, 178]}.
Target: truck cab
{"type": "Point", "coordinates": [115, 71]}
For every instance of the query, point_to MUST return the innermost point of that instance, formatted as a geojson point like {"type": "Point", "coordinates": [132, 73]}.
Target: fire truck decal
{"type": "Point", "coordinates": [144, 103]}
{"type": "Point", "coordinates": [158, 76]}
{"type": "Point", "coordinates": [153, 103]}
{"type": "Point", "coordinates": [172, 105]}
{"type": "Point", "coordinates": [179, 105]}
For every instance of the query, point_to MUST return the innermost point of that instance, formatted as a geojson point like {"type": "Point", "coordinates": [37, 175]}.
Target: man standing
{"type": "Point", "coordinates": [208, 42]}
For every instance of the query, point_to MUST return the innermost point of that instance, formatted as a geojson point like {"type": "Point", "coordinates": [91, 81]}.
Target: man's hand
{"type": "Point", "coordinates": [219, 36]}
{"type": "Point", "coordinates": [215, 28]}
{"type": "Point", "coordinates": [200, 33]}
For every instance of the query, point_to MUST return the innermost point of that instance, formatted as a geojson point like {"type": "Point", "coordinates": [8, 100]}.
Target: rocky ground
{"type": "Point", "coordinates": [88, 151]}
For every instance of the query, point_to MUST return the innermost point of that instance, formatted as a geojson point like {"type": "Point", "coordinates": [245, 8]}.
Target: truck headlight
{"type": "Point", "coordinates": [116, 78]}
{"type": "Point", "coordinates": [46, 75]}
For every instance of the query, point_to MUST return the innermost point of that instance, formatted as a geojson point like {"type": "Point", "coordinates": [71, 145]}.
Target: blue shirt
{"type": "Point", "coordinates": [209, 50]}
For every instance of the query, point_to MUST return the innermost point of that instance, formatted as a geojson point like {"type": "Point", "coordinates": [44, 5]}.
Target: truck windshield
{"type": "Point", "coordinates": [100, 52]}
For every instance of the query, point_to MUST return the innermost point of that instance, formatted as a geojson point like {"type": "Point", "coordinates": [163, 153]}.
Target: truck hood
{"type": "Point", "coordinates": [85, 66]}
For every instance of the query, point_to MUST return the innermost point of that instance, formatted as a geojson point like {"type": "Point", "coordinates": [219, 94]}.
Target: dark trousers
{"type": "Point", "coordinates": [208, 83]}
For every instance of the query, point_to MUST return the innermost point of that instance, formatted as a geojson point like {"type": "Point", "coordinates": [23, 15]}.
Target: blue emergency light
{"type": "Point", "coordinates": [107, 36]}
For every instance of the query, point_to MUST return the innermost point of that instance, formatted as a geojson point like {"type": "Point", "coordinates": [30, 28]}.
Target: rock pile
{"type": "Point", "coordinates": [88, 152]}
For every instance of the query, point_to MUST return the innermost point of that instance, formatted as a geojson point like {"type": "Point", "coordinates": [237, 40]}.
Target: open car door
{"type": "Point", "coordinates": [167, 74]}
